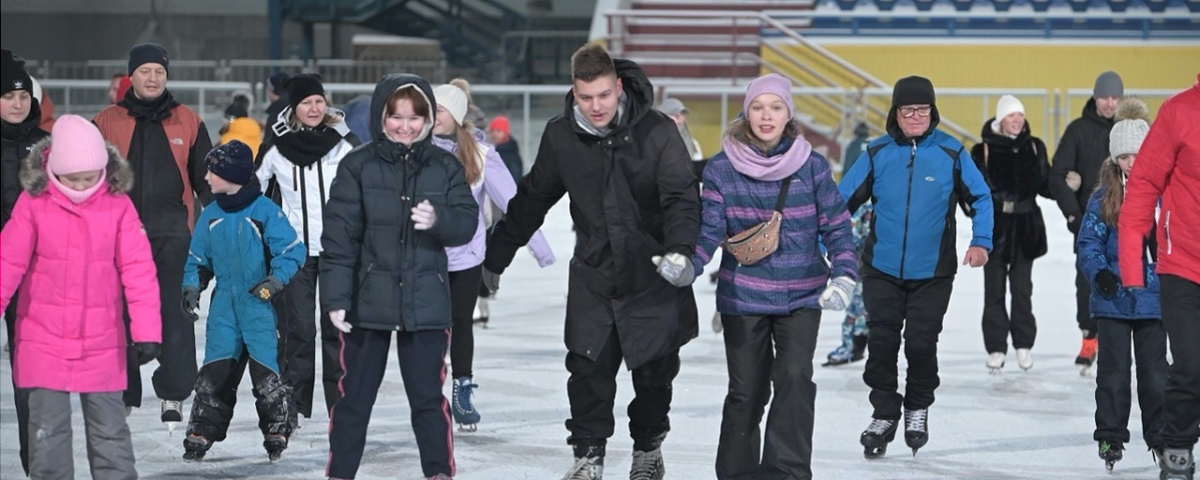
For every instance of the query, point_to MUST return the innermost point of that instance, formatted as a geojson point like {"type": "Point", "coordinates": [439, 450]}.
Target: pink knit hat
{"type": "Point", "coordinates": [76, 146]}
{"type": "Point", "coordinates": [770, 83]}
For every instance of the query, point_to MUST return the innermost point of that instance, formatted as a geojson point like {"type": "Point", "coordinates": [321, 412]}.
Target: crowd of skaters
{"type": "Point", "coordinates": [390, 216]}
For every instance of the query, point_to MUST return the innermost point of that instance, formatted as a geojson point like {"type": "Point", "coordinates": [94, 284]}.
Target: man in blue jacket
{"type": "Point", "coordinates": [915, 175]}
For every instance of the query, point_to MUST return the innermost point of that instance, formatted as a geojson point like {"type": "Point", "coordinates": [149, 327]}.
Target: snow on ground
{"type": "Point", "coordinates": [1018, 425]}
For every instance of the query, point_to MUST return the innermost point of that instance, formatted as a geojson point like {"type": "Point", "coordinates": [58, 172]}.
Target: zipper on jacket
{"type": "Point", "coordinates": [1167, 231]}
{"type": "Point", "coordinates": [299, 176]}
{"type": "Point", "coordinates": [912, 156]}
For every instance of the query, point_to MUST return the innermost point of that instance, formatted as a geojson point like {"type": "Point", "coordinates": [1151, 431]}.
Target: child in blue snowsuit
{"type": "Point", "coordinates": [854, 327]}
{"type": "Point", "coordinates": [245, 240]}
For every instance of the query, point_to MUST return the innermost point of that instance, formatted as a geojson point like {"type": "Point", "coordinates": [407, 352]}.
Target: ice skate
{"type": "Point", "coordinates": [441, 476]}
{"type": "Point", "coordinates": [172, 414]}
{"type": "Point", "coordinates": [876, 437]}
{"type": "Point", "coordinates": [463, 405]}
{"type": "Point", "coordinates": [995, 362]}
{"type": "Point", "coordinates": [1087, 356]}
{"type": "Point", "coordinates": [479, 316]}
{"type": "Point", "coordinates": [647, 465]}
{"type": "Point", "coordinates": [1024, 359]}
{"type": "Point", "coordinates": [717, 326]}
{"type": "Point", "coordinates": [586, 468]}
{"type": "Point", "coordinates": [275, 445]}
{"type": "Point", "coordinates": [1111, 452]}
{"type": "Point", "coordinates": [195, 447]}
{"type": "Point", "coordinates": [916, 429]}
{"type": "Point", "coordinates": [839, 356]}
{"type": "Point", "coordinates": [1176, 464]}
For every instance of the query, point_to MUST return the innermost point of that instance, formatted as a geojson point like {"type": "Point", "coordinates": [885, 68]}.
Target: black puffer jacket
{"type": "Point", "coordinates": [1082, 149]}
{"type": "Point", "coordinates": [1017, 171]}
{"type": "Point", "coordinates": [386, 274]}
{"type": "Point", "coordinates": [633, 196]}
{"type": "Point", "coordinates": [17, 141]}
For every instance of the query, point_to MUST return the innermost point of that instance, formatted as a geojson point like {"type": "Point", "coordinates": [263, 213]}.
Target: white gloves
{"type": "Point", "coordinates": [543, 261]}
{"type": "Point", "coordinates": [423, 216]}
{"type": "Point", "coordinates": [338, 319]}
{"type": "Point", "coordinates": [676, 269]}
{"type": "Point", "coordinates": [1074, 181]}
{"type": "Point", "coordinates": [837, 295]}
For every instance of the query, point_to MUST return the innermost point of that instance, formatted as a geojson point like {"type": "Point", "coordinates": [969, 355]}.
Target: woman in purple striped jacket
{"type": "Point", "coordinates": [772, 309]}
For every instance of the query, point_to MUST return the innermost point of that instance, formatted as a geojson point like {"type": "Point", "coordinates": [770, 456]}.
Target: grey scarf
{"type": "Point", "coordinates": [587, 126]}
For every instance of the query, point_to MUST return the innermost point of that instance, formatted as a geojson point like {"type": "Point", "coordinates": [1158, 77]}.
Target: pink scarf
{"type": "Point", "coordinates": [754, 164]}
{"type": "Point", "coordinates": [78, 196]}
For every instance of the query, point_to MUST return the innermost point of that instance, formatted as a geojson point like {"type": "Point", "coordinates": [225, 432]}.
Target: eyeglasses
{"type": "Point", "coordinates": [908, 112]}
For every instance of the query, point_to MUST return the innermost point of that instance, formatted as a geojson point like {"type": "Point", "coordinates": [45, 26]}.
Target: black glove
{"type": "Point", "coordinates": [491, 280]}
{"type": "Point", "coordinates": [1074, 225]}
{"type": "Point", "coordinates": [146, 351]}
{"type": "Point", "coordinates": [206, 276]}
{"type": "Point", "coordinates": [266, 289]}
{"type": "Point", "coordinates": [1107, 283]}
{"type": "Point", "coordinates": [191, 303]}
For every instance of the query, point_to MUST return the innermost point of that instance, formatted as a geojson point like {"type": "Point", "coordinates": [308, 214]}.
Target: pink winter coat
{"type": "Point", "coordinates": [71, 262]}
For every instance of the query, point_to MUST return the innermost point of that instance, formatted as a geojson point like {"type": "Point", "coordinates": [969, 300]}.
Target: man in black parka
{"type": "Point", "coordinates": [635, 203]}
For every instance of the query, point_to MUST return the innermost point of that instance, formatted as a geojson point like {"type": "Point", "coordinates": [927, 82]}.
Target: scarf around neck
{"type": "Point", "coordinates": [305, 147]}
{"type": "Point", "coordinates": [234, 202]}
{"type": "Point", "coordinates": [781, 162]}
{"type": "Point", "coordinates": [79, 196]}
{"type": "Point", "coordinates": [154, 110]}
{"type": "Point", "coordinates": [587, 126]}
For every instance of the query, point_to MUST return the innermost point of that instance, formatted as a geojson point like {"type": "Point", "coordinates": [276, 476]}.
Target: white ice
{"type": "Point", "coordinates": [1017, 425]}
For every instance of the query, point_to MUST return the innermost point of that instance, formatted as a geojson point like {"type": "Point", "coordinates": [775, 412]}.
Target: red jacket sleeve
{"type": "Point", "coordinates": [1149, 177]}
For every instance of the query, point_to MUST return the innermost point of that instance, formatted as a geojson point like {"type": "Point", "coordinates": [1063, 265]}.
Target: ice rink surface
{"type": "Point", "coordinates": [1016, 425]}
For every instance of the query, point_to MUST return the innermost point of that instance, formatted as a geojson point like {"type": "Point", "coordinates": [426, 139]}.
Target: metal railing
{"type": "Point", "coordinates": [251, 70]}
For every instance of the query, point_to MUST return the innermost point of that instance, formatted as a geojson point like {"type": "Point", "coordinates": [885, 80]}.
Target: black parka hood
{"type": "Point", "coordinates": [636, 87]}
{"type": "Point", "coordinates": [389, 84]}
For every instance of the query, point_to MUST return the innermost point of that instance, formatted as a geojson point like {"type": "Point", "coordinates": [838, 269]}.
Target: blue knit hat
{"type": "Point", "coordinates": [233, 161]}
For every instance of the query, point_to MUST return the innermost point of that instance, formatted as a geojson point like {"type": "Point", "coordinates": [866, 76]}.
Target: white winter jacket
{"type": "Point", "coordinates": [304, 191]}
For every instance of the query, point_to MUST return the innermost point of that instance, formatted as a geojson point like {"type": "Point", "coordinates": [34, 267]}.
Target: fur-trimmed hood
{"type": "Point", "coordinates": [34, 177]}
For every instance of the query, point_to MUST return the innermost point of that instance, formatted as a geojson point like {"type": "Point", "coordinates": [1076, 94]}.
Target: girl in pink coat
{"type": "Point", "coordinates": [77, 250]}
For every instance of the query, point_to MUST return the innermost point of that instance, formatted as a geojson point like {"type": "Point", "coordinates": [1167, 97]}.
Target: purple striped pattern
{"type": "Point", "coordinates": [795, 275]}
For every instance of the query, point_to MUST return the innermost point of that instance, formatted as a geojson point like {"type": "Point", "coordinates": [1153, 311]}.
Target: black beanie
{"type": "Point", "coordinates": [913, 90]}
{"type": "Point", "coordinates": [301, 86]}
{"type": "Point", "coordinates": [232, 161]}
{"type": "Point", "coordinates": [12, 73]}
{"type": "Point", "coordinates": [276, 81]}
{"type": "Point", "coordinates": [148, 53]}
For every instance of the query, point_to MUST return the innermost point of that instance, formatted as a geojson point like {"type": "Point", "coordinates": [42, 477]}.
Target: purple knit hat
{"type": "Point", "coordinates": [770, 83]}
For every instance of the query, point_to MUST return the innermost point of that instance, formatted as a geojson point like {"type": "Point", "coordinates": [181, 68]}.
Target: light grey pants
{"type": "Point", "coordinates": [109, 445]}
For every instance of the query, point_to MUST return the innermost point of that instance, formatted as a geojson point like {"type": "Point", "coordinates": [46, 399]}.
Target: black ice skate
{"type": "Point", "coordinates": [1111, 452]}
{"type": "Point", "coordinates": [195, 447]}
{"type": "Point", "coordinates": [275, 445]}
{"type": "Point", "coordinates": [648, 465]}
{"type": "Point", "coordinates": [479, 317]}
{"type": "Point", "coordinates": [877, 436]}
{"type": "Point", "coordinates": [172, 414]}
{"type": "Point", "coordinates": [916, 429]}
{"type": "Point", "coordinates": [1176, 464]}
{"type": "Point", "coordinates": [589, 464]}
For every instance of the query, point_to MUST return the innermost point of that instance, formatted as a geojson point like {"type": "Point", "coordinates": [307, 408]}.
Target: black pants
{"type": "Point", "coordinates": [20, 395]}
{"type": "Point", "coordinates": [422, 368]}
{"type": "Point", "coordinates": [592, 391]}
{"type": "Point", "coordinates": [1113, 391]}
{"type": "Point", "coordinates": [297, 309]}
{"type": "Point", "coordinates": [1181, 411]}
{"type": "Point", "coordinates": [764, 352]}
{"type": "Point", "coordinates": [176, 372]}
{"type": "Point", "coordinates": [216, 395]}
{"type": "Point", "coordinates": [464, 292]}
{"type": "Point", "coordinates": [916, 307]}
{"type": "Point", "coordinates": [998, 279]}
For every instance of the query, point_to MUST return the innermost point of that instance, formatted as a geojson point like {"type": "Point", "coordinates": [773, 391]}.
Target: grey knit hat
{"type": "Point", "coordinates": [1108, 84]}
{"type": "Point", "coordinates": [1126, 137]}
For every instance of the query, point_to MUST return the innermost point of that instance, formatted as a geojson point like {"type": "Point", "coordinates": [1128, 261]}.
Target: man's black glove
{"type": "Point", "coordinates": [1075, 223]}
{"type": "Point", "coordinates": [190, 303]}
{"type": "Point", "coordinates": [266, 289]}
{"type": "Point", "coordinates": [491, 280]}
{"type": "Point", "coordinates": [146, 351]}
{"type": "Point", "coordinates": [1107, 283]}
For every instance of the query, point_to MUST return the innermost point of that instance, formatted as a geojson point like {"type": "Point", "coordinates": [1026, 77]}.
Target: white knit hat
{"type": "Point", "coordinates": [1126, 137]}
{"type": "Point", "coordinates": [1007, 105]}
{"type": "Point", "coordinates": [453, 99]}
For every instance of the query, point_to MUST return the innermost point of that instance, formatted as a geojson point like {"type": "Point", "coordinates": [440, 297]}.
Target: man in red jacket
{"type": "Point", "coordinates": [1168, 167]}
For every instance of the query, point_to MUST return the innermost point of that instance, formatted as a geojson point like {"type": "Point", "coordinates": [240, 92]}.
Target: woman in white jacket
{"type": "Point", "coordinates": [490, 180]}
{"type": "Point", "coordinates": [304, 146]}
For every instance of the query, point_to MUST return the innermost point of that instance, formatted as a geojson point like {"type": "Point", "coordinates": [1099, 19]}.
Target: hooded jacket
{"type": "Point", "coordinates": [79, 267]}
{"type": "Point", "coordinates": [1082, 149]}
{"type": "Point", "coordinates": [1017, 171]}
{"type": "Point", "coordinates": [16, 141]}
{"type": "Point", "coordinates": [386, 274]}
{"type": "Point", "coordinates": [915, 185]}
{"type": "Point", "coordinates": [1097, 245]}
{"type": "Point", "coordinates": [1167, 166]}
{"type": "Point", "coordinates": [633, 196]}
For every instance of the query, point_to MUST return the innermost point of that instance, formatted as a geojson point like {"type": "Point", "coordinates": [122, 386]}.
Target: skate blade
{"type": "Point", "coordinates": [994, 371]}
{"type": "Point", "coordinates": [171, 428]}
{"type": "Point", "coordinates": [871, 453]}
{"type": "Point", "coordinates": [274, 457]}
{"type": "Point", "coordinates": [1084, 370]}
{"type": "Point", "coordinates": [1108, 465]}
{"type": "Point", "coordinates": [834, 363]}
{"type": "Point", "coordinates": [468, 427]}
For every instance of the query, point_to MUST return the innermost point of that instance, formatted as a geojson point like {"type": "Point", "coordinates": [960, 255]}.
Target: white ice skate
{"type": "Point", "coordinates": [1024, 359]}
{"type": "Point", "coordinates": [995, 362]}
{"type": "Point", "coordinates": [172, 414]}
